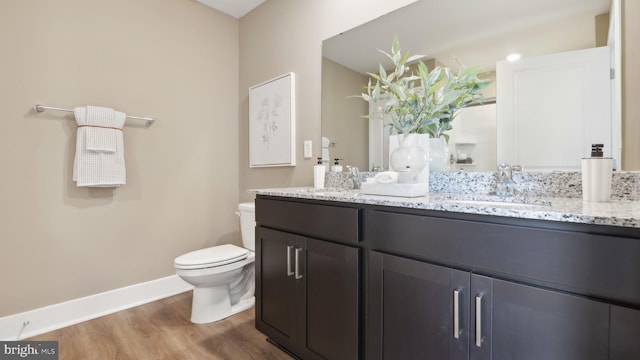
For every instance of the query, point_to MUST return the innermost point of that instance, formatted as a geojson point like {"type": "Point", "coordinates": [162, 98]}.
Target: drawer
{"type": "Point", "coordinates": [589, 264]}
{"type": "Point", "coordinates": [334, 223]}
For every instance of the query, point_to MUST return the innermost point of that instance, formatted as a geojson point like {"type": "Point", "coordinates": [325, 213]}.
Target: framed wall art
{"type": "Point", "coordinates": [272, 122]}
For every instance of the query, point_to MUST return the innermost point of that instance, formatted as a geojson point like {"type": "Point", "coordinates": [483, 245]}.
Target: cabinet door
{"type": "Point", "coordinates": [276, 303]}
{"type": "Point", "coordinates": [625, 332]}
{"type": "Point", "coordinates": [533, 323]}
{"type": "Point", "coordinates": [331, 274]}
{"type": "Point", "coordinates": [411, 310]}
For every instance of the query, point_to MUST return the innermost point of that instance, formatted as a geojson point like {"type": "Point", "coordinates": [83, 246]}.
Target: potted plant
{"type": "Point", "coordinates": [424, 102]}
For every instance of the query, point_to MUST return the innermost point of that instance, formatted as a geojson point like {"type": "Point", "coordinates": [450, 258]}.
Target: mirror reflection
{"type": "Point", "coordinates": [476, 33]}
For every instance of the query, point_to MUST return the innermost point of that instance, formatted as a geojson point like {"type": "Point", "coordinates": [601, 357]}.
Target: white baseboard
{"type": "Point", "coordinates": [57, 316]}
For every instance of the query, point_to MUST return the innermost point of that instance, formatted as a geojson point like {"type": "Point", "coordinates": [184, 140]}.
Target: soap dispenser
{"type": "Point", "coordinates": [596, 175]}
{"type": "Point", "coordinates": [336, 167]}
{"type": "Point", "coordinates": [318, 175]}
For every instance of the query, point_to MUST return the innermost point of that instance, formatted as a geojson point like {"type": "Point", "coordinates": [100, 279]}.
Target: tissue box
{"type": "Point", "coordinates": [403, 190]}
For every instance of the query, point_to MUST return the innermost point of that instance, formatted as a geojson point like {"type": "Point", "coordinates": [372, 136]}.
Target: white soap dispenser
{"type": "Point", "coordinates": [336, 167]}
{"type": "Point", "coordinates": [596, 175]}
{"type": "Point", "coordinates": [318, 175]}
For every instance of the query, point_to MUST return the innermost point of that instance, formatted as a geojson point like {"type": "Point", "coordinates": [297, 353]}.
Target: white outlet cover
{"type": "Point", "coordinates": [307, 149]}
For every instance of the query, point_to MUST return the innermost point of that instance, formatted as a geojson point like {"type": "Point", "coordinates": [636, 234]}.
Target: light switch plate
{"type": "Point", "coordinates": [307, 149]}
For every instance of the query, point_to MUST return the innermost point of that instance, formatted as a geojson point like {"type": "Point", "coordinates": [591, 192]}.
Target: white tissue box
{"type": "Point", "coordinates": [403, 190]}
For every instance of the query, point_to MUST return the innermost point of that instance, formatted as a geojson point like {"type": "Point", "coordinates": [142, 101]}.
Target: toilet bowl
{"type": "Point", "coordinates": [223, 276]}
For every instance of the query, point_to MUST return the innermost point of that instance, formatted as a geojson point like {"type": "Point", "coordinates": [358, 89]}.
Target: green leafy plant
{"type": "Point", "coordinates": [423, 102]}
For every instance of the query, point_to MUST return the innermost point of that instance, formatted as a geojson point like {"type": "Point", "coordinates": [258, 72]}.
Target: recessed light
{"type": "Point", "coordinates": [513, 57]}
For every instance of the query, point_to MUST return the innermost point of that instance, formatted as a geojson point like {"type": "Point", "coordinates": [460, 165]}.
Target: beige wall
{"type": "Point", "coordinates": [630, 79]}
{"type": "Point", "coordinates": [602, 29]}
{"type": "Point", "coordinates": [286, 35]}
{"type": "Point", "coordinates": [342, 114]}
{"type": "Point", "coordinates": [175, 60]}
{"type": "Point", "coordinates": [630, 85]}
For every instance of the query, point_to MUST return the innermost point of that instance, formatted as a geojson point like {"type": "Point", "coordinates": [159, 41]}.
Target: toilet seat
{"type": "Point", "coordinates": [211, 257]}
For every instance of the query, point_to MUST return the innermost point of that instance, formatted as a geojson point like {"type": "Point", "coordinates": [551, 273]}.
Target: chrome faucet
{"type": "Point", "coordinates": [354, 175]}
{"type": "Point", "coordinates": [505, 184]}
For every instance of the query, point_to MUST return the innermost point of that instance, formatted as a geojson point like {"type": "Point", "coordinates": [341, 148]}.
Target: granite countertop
{"type": "Point", "coordinates": [624, 213]}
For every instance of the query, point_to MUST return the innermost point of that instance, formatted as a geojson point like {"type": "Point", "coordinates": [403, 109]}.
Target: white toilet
{"type": "Point", "coordinates": [223, 276]}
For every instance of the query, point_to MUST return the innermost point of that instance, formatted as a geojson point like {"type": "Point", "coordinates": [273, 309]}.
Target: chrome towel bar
{"type": "Point", "coordinates": [40, 108]}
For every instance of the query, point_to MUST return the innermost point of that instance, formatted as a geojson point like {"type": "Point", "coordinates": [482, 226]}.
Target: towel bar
{"type": "Point", "coordinates": [40, 108]}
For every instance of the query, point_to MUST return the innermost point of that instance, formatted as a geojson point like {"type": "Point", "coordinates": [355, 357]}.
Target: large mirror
{"type": "Point", "coordinates": [478, 33]}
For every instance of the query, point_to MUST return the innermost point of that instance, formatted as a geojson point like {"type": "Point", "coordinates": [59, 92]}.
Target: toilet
{"type": "Point", "coordinates": [223, 276]}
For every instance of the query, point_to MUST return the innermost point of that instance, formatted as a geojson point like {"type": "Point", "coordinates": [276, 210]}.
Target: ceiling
{"type": "Point", "coordinates": [476, 32]}
{"type": "Point", "coordinates": [235, 8]}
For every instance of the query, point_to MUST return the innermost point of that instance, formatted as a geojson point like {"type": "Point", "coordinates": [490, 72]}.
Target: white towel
{"type": "Point", "coordinates": [386, 177]}
{"type": "Point", "coordinates": [101, 138]}
{"type": "Point", "coordinates": [99, 159]}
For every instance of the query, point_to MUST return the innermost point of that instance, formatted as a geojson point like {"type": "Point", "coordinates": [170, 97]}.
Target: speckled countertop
{"type": "Point", "coordinates": [621, 211]}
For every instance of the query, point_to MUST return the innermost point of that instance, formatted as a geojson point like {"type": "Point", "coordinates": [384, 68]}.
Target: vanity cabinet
{"type": "Point", "coordinates": [419, 308]}
{"type": "Point", "coordinates": [447, 288]}
{"type": "Point", "coordinates": [625, 332]}
{"type": "Point", "coordinates": [307, 288]}
{"type": "Point", "coordinates": [371, 282]}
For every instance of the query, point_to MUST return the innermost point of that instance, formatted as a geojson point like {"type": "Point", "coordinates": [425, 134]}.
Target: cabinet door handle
{"type": "Point", "coordinates": [297, 266]}
{"type": "Point", "coordinates": [289, 271]}
{"type": "Point", "coordinates": [456, 314]}
{"type": "Point", "coordinates": [479, 321]}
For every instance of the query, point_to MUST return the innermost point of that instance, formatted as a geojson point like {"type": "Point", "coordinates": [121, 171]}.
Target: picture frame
{"type": "Point", "coordinates": [272, 122]}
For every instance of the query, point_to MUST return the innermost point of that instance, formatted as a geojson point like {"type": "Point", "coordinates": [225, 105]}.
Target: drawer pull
{"type": "Point", "coordinates": [289, 271]}
{"type": "Point", "coordinates": [298, 276]}
{"type": "Point", "coordinates": [479, 321]}
{"type": "Point", "coordinates": [456, 314]}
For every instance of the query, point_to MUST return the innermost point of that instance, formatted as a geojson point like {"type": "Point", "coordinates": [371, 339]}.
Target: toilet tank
{"type": "Point", "coordinates": [247, 213]}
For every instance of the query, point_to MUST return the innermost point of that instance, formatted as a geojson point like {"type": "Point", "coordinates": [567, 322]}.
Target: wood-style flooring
{"type": "Point", "coordinates": [162, 330]}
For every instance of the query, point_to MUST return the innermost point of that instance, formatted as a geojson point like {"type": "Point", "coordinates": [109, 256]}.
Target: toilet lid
{"type": "Point", "coordinates": [248, 206]}
{"type": "Point", "coordinates": [210, 257]}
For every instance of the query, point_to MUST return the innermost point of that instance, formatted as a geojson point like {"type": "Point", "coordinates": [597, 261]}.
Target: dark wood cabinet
{"type": "Point", "coordinates": [307, 295]}
{"type": "Point", "coordinates": [420, 308]}
{"type": "Point", "coordinates": [625, 333]}
{"type": "Point", "coordinates": [411, 310]}
{"type": "Point", "coordinates": [537, 290]}
{"type": "Point", "coordinates": [531, 323]}
{"type": "Point", "coordinates": [373, 282]}
{"type": "Point", "coordinates": [331, 301]}
{"type": "Point", "coordinates": [277, 304]}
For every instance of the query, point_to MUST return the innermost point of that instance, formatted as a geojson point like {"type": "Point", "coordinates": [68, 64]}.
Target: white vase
{"type": "Point", "coordinates": [409, 158]}
{"type": "Point", "coordinates": [438, 154]}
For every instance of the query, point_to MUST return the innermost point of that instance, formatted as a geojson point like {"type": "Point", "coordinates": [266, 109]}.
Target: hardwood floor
{"type": "Point", "coordinates": [162, 330]}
